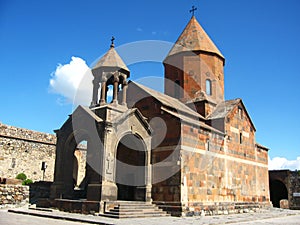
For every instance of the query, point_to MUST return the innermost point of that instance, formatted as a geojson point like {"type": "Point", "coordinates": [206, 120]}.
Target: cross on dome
{"type": "Point", "coordinates": [193, 10]}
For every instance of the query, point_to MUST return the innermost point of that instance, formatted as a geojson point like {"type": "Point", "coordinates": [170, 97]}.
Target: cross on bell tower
{"type": "Point", "coordinates": [112, 45]}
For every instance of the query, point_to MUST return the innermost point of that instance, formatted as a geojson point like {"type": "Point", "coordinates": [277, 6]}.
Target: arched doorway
{"type": "Point", "coordinates": [131, 169]}
{"type": "Point", "coordinates": [79, 175]}
{"type": "Point", "coordinates": [278, 191]}
{"type": "Point", "coordinates": [79, 168]}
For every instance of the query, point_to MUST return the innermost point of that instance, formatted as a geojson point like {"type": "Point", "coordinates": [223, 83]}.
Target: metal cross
{"type": "Point", "coordinates": [112, 41]}
{"type": "Point", "coordinates": [193, 10]}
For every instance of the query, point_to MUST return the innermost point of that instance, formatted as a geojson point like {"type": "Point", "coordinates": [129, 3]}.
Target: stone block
{"type": "Point", "coordinates": [284, 204]}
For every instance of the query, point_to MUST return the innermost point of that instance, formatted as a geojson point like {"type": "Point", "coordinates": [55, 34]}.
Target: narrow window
{"type": "Point", "coordinates": [208, 87]}
{"type": "Point", "coordinates": [241, 138]}
{"type": "Point", "coordinates": [207, 145]}
{"type": "Point", "coordinates": [177, 89]}
{"type": "Point", "coordinates": [240, 113]}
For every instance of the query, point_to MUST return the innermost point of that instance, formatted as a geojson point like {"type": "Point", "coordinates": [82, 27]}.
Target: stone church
{"type": "Point", "coordinates": [186, 150]}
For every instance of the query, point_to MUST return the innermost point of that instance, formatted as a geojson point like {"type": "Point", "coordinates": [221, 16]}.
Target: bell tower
{"type": "Point", "coordinates": [110, 70]}
{"type": "Point", "coordinates": [194, 67]}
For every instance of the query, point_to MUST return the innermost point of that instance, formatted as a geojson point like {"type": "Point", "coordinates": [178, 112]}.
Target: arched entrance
{"type": "Point", "coordinates": [131, 169]}
{"type": "Point", "coordinates": [278, 191]}
{"type": "Point", "coordinates": [79, 170]}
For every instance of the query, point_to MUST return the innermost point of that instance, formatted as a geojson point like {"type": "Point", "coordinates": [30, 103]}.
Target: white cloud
{"type": "Point", "coordinates": [279, 163]}
{"type": "Point", "coordinates": [73, 81]}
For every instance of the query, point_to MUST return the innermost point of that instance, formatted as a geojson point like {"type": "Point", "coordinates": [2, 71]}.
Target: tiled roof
{"type": "Point", "coordinates": [169, 101]}
{"type": "Point", "coordinates": [111, 59]}
{"type": "Point", "coordinates": [262, 146]}
{"type": "Point", "coordinates": [192, 121]}
{"type": "Point", "coordinates": [223, 109]}
{"type": "Point", "coordinates": [194, 38]}
{"type": "Point", "coordinates": [201, 97]}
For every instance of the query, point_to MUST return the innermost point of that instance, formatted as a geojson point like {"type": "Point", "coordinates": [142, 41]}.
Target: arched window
{"type": "Point", "coordinates": [208, 87]}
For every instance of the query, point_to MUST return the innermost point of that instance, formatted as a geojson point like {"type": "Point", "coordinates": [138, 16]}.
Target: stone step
{"type": "Point", "coordinates": [135, 210]}
{"type": "Point", "coordinates": [134, 215]}
{"type": "Point", "coordinates": [138, 209]}
{"type": "Point", "coordinates": [133, 207]}
{"type": "Point", "coordinates": [133, 204]}
{"type": "Point", "coordinates": [124, 209]}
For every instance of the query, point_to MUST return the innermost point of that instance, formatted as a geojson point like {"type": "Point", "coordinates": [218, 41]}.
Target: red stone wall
{"type": "Point", "coordinates": [224, 170]}
{"type": "Point", "coordinates": [216, 66]}
{"type": "Point", "coordinates": [192, 70]}
{"type": "Point", "coordinates": [211, 178]}
{"type": "Point", "coordinates": [241, 134]}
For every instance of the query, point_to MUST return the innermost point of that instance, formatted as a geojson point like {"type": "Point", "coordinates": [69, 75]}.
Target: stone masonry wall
{"type": "Point", "coordinates": [23, 151]}
{"type": "Point", "coordinates": [294, 190]}
{"type": "Point", "coordinates": [13, 194]}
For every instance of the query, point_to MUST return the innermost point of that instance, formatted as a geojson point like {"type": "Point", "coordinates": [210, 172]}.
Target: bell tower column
{"type": "Point", "coordinates": [96, 86]}
{"type": "Point", "coordinates": [124, 88]}
{"type": "Point", "coordinates": [116, 89]}
{"type": "Point", "coordinates": [103, 92]}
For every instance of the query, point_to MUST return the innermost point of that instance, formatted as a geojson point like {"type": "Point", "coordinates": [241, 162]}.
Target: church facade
{"type": "Point", "coordinates": [186, 150]}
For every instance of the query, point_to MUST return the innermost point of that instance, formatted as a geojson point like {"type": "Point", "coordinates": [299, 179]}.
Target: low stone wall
{"type": "Point", "coordinates": [39, 190]}
{"type": "Point", "coordinates": [13, 194]}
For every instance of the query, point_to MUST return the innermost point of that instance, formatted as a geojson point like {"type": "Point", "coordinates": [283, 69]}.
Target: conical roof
{"type": "Point", "coordinates": [111, 59]}
{"type": "Point", "coordinates": [194, 38]}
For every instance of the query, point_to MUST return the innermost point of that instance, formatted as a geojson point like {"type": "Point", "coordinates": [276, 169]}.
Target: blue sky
{"type": "Point", "coordinates": [259, 39]}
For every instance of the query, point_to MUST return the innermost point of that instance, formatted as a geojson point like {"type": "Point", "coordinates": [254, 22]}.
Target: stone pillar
{"type": "Point", "coordinates": [57, 188]}
{"type": "Point", "coordinates": [116, 89]}
{"type": "Point", "coordinates": [95, 91]}
{"type": "Point", "coordinates": [103, 92]}
{"type": "Point", "coordinates": [148, 171]}
{"type": "Point", "coordinates": [124, 88]}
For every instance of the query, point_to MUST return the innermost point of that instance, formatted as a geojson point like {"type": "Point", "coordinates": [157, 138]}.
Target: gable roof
{"type": "Point", "coordinates": [138, 114]}
{"type": "Point", "coordinates": [262, 147]}
{"type": "Point", "coordinates": [168, 100]}
{"type": "Point", "coordinates": [203, 97]}
{"type": "Point", "coordinates": [192, 121]}
{"type": "Point", "coordinates": [87, 111]}
{"type": "Point", "coordinates": [111, 59]}
{"type": "Point", "coordinates": [223, 109]}
{"type": "Point", "coordinates": [194, 38]}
